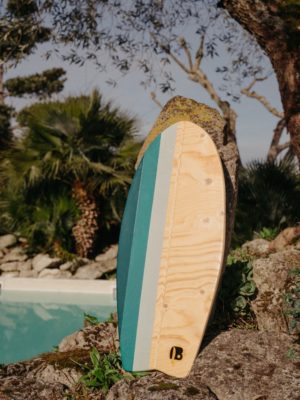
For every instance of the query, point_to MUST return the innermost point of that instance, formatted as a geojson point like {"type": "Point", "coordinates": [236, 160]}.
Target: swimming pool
{"type": "Point", "coordinates": [35, 314]}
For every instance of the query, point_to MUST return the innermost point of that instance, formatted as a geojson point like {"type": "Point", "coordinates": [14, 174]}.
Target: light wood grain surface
{"type": "Point", "coordinates": [193, 246]}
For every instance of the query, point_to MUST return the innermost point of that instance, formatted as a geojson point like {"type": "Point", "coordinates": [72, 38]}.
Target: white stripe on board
{"type": "Point", "coordinates": [155, 241]}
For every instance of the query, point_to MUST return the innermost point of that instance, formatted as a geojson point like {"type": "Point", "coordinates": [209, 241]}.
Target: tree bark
{"type": "Point", "coordinates": [1, 84]}
{"type": "Point", "coordinates": [275, 35]}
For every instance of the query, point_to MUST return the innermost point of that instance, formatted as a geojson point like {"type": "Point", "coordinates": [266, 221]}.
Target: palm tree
{"type": "Point", "coordinates": [81, 144]}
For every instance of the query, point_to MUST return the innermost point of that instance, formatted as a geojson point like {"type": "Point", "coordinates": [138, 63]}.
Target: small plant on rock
{"type": "Point", "coordinates": [292, 302]}
{"type": "Point", "coordinates": [237, 290]}
{"type": "Point", "coordinates": [105, 372]}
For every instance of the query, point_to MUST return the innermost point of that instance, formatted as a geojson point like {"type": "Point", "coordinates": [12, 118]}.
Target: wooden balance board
{"type": "Point", "coordinates": [170, 251]}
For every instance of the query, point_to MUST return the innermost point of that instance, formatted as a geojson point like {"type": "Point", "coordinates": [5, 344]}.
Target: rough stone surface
{"type": "Point", "coordinates": [14, 259]}
{"type": "Point", "coordinates": [15, 254]}
{"type": "Point", "coordinates": [287, 237]}
{"type": "Point", "coordinates": [272, 276]}
{"type": "Point", "coordinates": [182, 109]}
{"type": "Point", "coordinates": [257, 247]}
{"type": "Point", "coordinates": [10, 274]}
{"type": "Point", "coordinates": [95, 270]}
{"type": "Point", "coordinates": [25, 266]}
{"type": "Point", "coordinates": [236, 365]}
{"type": "Point", "coordinates": [104, 337]}
{"type": "Point", "coordinates": [9, 266]}
{"type": "Point", "coordinates": [111, 253]}
{"type": "Point", "coordinates": [66, 266]}
{"type": "Point", "coordinates": [242, 364]}
{"type": "Point", "coordinates": [65, 376]}
{"type": "Point", "coordinates": [42, 261]}
{"type": "Point", "coordinates": [52, 376]}
{"type": "Point", "coordinates": [158, 386]}
{"type": "Point", "coordinates": [54, 273]}
{"type": "Point", "coordinates": [7, 241]}
{"type": "Point", "coordinates": [28, 274]}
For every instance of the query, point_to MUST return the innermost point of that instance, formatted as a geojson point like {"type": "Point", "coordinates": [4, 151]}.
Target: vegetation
{"type": "Point", "coordinates": [42, 85]}
{"type": "Point", "coordinates": [21, 30]}
{"type": "Point", "coordinates": [237, 290]}
{"type": "Point", "coordinates": [292, 302]}
{"type": "Point", "coordinates": [68, 175]}
{"type": "Point", "coordinates": [106, 370]}
{"type": "Point", "coordinates": [268, 200]}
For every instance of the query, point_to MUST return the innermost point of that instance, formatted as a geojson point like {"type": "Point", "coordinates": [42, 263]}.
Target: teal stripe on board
{"type": "Point", "coordinates": [125, 243]}
{"type": "Point", "coordinates": [129, 306]}
{"type": "Point", "coordinates": [154, 249]}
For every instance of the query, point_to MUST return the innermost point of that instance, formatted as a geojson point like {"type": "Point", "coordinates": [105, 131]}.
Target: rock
{"type": "Point", "coordinates": [1, 254]}
{"type": "Point", "coordinates": [111, 253]}
{"type": "Point", "coordinates": [236, 365]}
{"type": "Point", "coordinates": [28, 274]}
{"type": "Point", "coordinates": [285, 238]}
{"type": "Point", "coordinates": [10, 274]}
{"type": "Point", "coordinates": [257, 248]}
{"type": "Point", "coordinates": [67, 265]}
{"type": "Point", "coordinates": [7, 241]}
{"type": "Point", "coordinates": [95, 270]}
{"type": "Point", "coordinates": [272, 276]}
{"type": "Point", "coordinates": [241, 364]}
{"type": "Point", "coordinates": [10, 266]}
{"type": "Point", "coordinates": [25, 266]}
{"type": "Point", "coordinates": [54, 273]}
{"type": "Point", "coordinates": [104, 337]}
{"type": "Point", "coordinates": [161, 387]}
{"type": "Point", "coordinates": [42, 261]}
{"type": "Point", "coordinates": [16, 254]}
{"type": "Point", "coordinates": [74, 264]}
{"type": "Point", "coordinates": [25, 388]}
{"type": "Point", "coordinates": [65, 376]}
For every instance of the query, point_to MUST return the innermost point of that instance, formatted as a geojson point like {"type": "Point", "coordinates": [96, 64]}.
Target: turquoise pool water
{"type": "Point", "coordinates": [35, 322]}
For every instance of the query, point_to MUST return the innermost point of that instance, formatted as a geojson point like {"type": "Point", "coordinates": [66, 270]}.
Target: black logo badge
{"type": "Point", "coordinates": [176, 353]}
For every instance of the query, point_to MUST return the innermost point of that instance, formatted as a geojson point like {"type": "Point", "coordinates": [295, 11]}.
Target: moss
{"type": "Point", "coordinates": [68, 359]}
{"type": "Point", "coordinates": [182, 109]}
{"type": "Point", "coordinates": [191, 391]}
{"type": "Point", "coordinates": [163, 386]}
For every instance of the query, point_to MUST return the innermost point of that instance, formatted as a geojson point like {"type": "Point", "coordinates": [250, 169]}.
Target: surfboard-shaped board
{"type": "Point", "coordinates": [170, 251]}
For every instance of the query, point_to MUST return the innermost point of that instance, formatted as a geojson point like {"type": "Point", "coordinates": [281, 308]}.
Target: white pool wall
{"type": "Point", "coordinates": [65, 291]}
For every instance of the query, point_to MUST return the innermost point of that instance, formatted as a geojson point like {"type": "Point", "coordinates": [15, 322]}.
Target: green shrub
{"type": "Point", "coordinates": [268, 200]}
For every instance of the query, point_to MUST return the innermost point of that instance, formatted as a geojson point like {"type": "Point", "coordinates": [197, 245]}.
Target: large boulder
{"type": "Point", "coordinates": [275, 283]}
{"type": "Point", "coordinates": [55, 375]}
{"type": "Point", "coordinates": [182, 109]}
{"type": "Point", "coordinates": [236, 365]}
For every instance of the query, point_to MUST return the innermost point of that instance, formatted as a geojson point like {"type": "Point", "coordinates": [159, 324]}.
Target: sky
{"type": "Point", "coordinates": [255, 125]}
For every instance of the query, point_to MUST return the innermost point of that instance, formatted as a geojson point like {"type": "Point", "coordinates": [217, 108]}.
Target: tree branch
{"type": "Point", "coordinates": [183, 45]}
{"type": "Point", "coordinates": [169, 52]}
{"type": "Point", "coordinates": [156, 101]}
{"type": "Point", "coordinates": [247, 92]}
{"type": "Point", "coordinates": [199, 54]}
{"type": "Point", "coordinates": [275, 147]}
{"type": "Point", "coordinates": [196, 74]}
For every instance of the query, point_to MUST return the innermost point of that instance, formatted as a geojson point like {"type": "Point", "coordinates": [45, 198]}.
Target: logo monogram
{"type": "Point", "coordinates": [176, 353]}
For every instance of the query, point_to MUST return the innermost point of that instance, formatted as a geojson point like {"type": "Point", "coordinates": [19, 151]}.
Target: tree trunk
{"type": "Point", "coordinates": [1, 84]}
{"type": "Point", "coordinates": [277, 36]}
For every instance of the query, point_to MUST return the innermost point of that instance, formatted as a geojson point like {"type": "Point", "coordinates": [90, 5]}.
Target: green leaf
{"type": "Point", "coordinates": [248, 289]}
